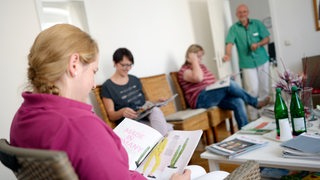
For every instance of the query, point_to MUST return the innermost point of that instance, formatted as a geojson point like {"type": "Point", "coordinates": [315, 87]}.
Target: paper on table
{"type": "Point", "coordinates": [258, 127]}
{"type": "Point", "coordinates": [272, 136]}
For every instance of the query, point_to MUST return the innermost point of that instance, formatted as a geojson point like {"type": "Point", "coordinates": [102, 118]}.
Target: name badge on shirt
{"type": "Point", "coordinates": [255, 34]}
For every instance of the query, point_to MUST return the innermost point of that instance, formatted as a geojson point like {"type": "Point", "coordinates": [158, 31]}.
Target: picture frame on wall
{"type": "Point", "coordinates": [316, 6]}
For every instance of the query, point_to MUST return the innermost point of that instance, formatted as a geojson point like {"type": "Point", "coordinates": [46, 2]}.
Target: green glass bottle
{"type": "Point", "coordinates": [280, 110]}
{"type": "Point", "coordinates": [298, 120]}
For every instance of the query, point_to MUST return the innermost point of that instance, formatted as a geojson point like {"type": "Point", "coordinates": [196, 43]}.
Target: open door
{"type": "Point", "coordinates": [220, 21]}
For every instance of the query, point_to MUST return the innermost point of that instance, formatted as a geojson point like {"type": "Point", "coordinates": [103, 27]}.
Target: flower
{"type": "Point", "coordinates": [287, 79]}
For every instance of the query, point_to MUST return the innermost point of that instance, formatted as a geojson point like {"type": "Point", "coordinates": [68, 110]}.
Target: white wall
{"type": "Point", "coordinates": [158, 33]}
{"type": "Point", "coordinates": [19, 27]}
{"type": "Point", "coordinates": [152, 30]}
{"type": "Point", "coordinates": [294, 23]}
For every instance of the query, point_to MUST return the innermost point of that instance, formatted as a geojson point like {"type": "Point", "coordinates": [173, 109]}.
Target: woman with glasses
{"type": "Point", "coordinates": [123, 97]}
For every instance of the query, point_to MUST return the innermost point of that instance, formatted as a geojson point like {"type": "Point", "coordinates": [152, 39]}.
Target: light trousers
{"type": "Point", "coordinates": [256, 83]}
{"type": "Point", "coordinates": [157, 121]}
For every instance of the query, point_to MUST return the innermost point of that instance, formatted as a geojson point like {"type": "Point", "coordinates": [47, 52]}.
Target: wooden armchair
{"type": "Point", "coordinates": [216, 114]}
{"type": "Point", "coordinates": [155, 87]}
{"type": "Point", "coordinates": [36, 164]}
{"type": "Point", "coordinates": [97, 94]}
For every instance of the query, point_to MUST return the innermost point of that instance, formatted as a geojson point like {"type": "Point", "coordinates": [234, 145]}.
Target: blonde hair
{"type": "Point", "coordinates": [193, 48]}
{"type": "Point", "coordinates": [49, 55]}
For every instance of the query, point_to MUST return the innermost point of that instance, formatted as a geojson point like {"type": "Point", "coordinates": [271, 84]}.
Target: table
{"type": "Point", "coordinates": [267, 156]}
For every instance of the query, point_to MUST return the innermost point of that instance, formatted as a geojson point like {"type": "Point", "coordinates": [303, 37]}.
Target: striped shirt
{"type": "Point", "coordinates": [192, 90]}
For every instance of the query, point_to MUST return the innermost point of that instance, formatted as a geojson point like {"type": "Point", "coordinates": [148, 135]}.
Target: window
{"type": "Point", "coordinates": [53, 12]}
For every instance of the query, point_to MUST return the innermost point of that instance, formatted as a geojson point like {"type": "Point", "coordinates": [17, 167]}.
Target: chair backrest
{"type": "Point", "coordinates": [310, 67]}
{"type": "Point", "coordinates": [155, 87]}
{"type": "Point", "coordinates": [36, 164]}
{"type": "Point", "coordinates": [97, 94]}
{"type": "Point", "coordinates": [174, 78]}
{"type": "Point", "coordinates": [249, 170]}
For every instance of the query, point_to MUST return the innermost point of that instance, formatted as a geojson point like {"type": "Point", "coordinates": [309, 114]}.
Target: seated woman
{"type": "Point", "coordinates": [123, 97]}
{"type": "Point", "coordinates": [194, 77]}
{"type": "Point", "coordinates": [55, 115]}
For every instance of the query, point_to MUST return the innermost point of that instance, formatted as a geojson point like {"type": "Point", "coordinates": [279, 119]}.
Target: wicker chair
{"type": "Point", "coordinates": [155, 87]}
{"type": "Point", "coordinates": [97, 94]}
{"type": "Point", "coordinates": [216, 114]}
{"type": "Point", "coordinates": [249, 170]}
{"type": "Point", "coordinates": [36, 164]}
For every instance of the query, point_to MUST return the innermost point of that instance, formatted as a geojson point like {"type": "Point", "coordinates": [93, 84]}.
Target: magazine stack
{"type": "Point", "coordinates": [304, 146]}
{"type": "Point", "coordinates": [236, 146]}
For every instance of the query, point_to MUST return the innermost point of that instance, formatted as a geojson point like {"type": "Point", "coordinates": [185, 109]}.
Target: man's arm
{"type": "Point", "coordinates": [263, 42]}
{"type": "Point", "coordinates": [227, 56]}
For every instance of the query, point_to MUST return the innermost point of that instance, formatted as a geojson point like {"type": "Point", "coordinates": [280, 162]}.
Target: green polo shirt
{"type": "Point", "coordinates": [243, 38]}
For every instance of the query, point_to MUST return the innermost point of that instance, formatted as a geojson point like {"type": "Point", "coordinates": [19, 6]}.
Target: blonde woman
{"type": "Point", "coordinates": [194, 77]}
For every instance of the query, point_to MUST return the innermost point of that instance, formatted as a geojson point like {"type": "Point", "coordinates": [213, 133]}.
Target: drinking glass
{"type": "Point", "coordinates": [306, 98]}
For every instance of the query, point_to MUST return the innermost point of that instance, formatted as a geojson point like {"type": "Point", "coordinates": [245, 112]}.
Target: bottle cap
{"type": "Point", "coordinates": [278, 90]}
{"type": "Point", "coordinates": [294, 88]}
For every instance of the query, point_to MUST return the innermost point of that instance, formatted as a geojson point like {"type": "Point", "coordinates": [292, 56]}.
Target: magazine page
{"type": "Point", "coordinates": [225, 82]}
{"type": "Point", "coordinates": [163, 103]}
{"type": "Point", "coordinates": [148, 106]}
{"type": "Point", "coordinates": [145, 110]}
{"type": "Point", "coordinates": [138, 139]}
{"type": "Point", "coordinates": [172, 154]}
{"type": "Point", "coordinates": [272, 136]}
{"type": "Point", "coordinates": [260, 128]}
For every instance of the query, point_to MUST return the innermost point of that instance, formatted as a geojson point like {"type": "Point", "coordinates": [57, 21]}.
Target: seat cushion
{"type": "Point", "coordinates": [184, 114]}
{"type": "Point", "coordinates": [213, 107]}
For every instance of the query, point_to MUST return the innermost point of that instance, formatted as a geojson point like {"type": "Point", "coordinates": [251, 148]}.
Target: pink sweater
{"type": "Point", "coordinates": [52, 122]}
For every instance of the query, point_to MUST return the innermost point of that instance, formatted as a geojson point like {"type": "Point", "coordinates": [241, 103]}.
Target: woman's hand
{"type": "Point", "coordinates": [129, 113]}
{"type": "Point", "coordinates": [193, 58]}
{"type": "Point", "coordinates": [161, 99]}
{"type": "Point", "coordinates": [185, 176]}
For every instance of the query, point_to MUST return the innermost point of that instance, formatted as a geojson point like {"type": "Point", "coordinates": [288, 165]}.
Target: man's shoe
{"type": "Point", "coordinates": [263, 102]}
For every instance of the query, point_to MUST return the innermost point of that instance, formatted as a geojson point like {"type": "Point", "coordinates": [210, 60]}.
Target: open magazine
{"type": "Point", "coordinates": [223, 82]}
{"type": "Point", "coordinates": [237, 146]}
{"type": "Point", "coordinates": [259, 128]}
{"type": "Point", "coordinates": [155, 156]}
{"type": "Point", "coordinates": [148, 106]}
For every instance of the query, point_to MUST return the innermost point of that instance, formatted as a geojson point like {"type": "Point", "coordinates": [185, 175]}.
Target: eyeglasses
{"type": "Point", "coordinates": [126, 65]}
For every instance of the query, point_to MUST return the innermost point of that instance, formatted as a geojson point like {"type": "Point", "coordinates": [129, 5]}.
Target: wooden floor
{"type": "Point", "coordinates": [196, 159]}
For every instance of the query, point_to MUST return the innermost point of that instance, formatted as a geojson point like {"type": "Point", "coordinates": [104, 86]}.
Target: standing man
{"type": "Point", "coordinates": [250, 35]}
